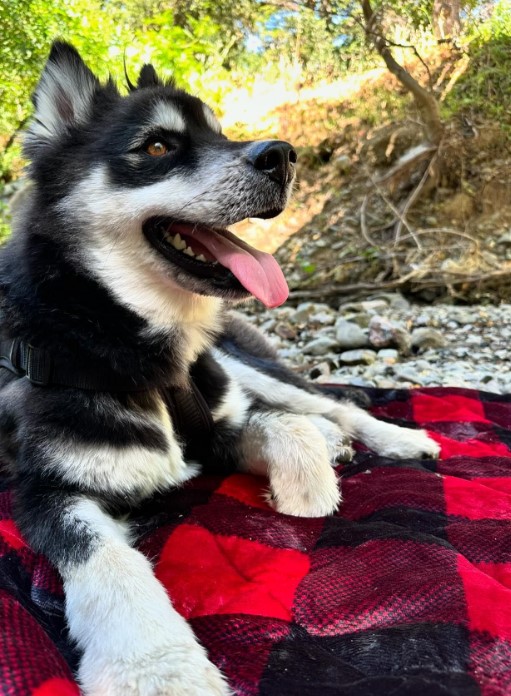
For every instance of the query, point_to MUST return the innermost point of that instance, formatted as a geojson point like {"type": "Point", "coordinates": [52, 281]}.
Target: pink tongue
{"type": "Point", "coordinates": [258, 272]}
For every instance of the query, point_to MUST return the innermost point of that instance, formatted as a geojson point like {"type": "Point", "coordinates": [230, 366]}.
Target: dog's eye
{"type": "Point", "coordinates": [156, 148]}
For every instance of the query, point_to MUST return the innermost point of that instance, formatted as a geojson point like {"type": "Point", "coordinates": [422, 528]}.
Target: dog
{"type": "Point", "coordinates": [125, 369]}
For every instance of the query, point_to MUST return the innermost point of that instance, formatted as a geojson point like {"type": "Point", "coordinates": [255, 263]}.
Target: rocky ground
{"type": "Point", "coordinates": [388, 342]}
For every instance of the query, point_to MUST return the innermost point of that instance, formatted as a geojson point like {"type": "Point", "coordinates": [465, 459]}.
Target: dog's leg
{"type": "Point", "coordinates": [384, 438]}
{"type": "Point", "coordinates": [337, 441]}
{"type": "Point", "coordinates": [387, 439]}
{"type": "Point", "coordinates": [134, 642]}
{"type": "Point", "coordinates": [293, 453]}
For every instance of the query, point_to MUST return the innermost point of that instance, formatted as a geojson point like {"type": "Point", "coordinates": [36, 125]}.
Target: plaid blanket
{"type": "Point", "coordinates": [406, 591]}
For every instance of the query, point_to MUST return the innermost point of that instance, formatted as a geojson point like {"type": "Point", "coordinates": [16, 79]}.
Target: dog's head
{"type": "Point", "coordinates": [144, 185]}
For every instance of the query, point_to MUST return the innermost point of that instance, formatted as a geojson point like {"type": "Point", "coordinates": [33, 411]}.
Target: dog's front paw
{"type": "Point", "coordinates": [171, 670]}
{"type": "Point", "coordinates": [405, 443]}
{"type": "Point", "coordinates": [314, 494]}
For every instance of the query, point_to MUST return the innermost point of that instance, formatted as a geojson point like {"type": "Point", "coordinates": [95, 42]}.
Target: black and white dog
{"type": "Point", "coordinates": [125, 370]}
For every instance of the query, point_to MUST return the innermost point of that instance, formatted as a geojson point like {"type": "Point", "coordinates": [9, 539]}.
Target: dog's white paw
{"type": "Point", "coordinates": [405, 443]}
{"type": "Point", "coordinates": [315, 493]}
{"type": "Point", "coordinates": [172, 670]}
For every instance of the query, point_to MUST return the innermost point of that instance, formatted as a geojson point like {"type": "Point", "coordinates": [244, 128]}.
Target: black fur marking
{"type": "Point", "coordinates": [90, 418]}
{"type": "Point", "coordinates": [130, 167]}
{"type": "Point", "coordinates": [54, 305]}
{"type": "Point", "coordinates": [41, 509]}
{"type": "Point", "coordinates": [210, 379]}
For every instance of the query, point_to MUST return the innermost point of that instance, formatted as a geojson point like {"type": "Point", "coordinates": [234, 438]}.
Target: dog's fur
{"type": "Point", "coordinates": [80, 279]}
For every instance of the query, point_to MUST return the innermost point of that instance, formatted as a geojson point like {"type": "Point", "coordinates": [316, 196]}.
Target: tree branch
{"type": "Point", "coordinates": [425, 101]}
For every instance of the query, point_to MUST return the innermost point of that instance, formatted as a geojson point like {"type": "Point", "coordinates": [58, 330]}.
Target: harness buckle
{"type": "Point", "coordinates": [38, 366]}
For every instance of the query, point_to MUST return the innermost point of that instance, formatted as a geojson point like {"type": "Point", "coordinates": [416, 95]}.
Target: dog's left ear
{"type": "Point", "coordinates": [63, 97]}
{"type": "Point", "coordinates": [148, 77]}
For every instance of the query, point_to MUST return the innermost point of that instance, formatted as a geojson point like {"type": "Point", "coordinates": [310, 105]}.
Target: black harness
{"type": "Point", "coordinates": [189, 411]}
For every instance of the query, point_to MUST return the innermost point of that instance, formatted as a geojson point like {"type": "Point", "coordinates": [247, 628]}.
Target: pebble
{"type": "Point", "coordinates": [384, 332]}
{"type": "Point", "coordinates": [355, 357]}
{"type": "Point", "coordinates": [452, 345]}
{"type": "Point", "coordinates": [350, 335]}
{"type": "Point", "coordinates": [320, 346]}
{"type": "Point", "coordinates": [424, 338]}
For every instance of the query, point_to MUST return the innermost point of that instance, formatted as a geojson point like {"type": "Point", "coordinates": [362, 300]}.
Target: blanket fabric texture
{"type": "Point", "coordinates": [407, 590]}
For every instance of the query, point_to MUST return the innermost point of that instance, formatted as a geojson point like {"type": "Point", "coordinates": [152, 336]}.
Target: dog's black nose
{"type": "Point", "coordinates": [275, 158]}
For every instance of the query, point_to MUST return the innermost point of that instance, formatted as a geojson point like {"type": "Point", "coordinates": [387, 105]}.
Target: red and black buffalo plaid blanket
{"type": "Point", "coordinates": [406, 591]}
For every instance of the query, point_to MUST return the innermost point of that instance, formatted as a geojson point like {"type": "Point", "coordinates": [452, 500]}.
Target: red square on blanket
{"type": "Point", "coordinates": [206, 573]}
{"type": "Point", "coordinates": [488, 597]}
{"type": "Point", "coordinates": [475, 500]}
{"type": "Point", "coordinates": [449, 407]}
{"type": "Point", "coordinates": [246, 488]}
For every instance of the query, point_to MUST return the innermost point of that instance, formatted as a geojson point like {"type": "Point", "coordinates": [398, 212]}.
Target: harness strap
{"type": "Point", "coordinates": [188, 408]}
{"type": "Point", "coordinates": [40, 368]}
{"type": "Point", "coordinates": [189, 413]}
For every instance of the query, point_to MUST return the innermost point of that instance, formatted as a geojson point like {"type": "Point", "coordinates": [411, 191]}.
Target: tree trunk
{"type": "Point", "coordinates": [446, 19]}
{"type": "Point", "coordinates": [424, 100]}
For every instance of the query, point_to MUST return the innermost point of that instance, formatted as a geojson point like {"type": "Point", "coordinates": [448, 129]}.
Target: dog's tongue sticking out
{"type": "Point", "coordinates": [257, 271]}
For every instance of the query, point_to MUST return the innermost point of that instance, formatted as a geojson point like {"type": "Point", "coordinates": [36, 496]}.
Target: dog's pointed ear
{"type": "Point", "coordinates": [148, 77]}
{"type": "Point", "coordinates": [63, 96]}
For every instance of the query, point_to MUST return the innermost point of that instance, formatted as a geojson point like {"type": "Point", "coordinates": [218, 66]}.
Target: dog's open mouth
{"type": "Point", "coordinates": [220, 256]}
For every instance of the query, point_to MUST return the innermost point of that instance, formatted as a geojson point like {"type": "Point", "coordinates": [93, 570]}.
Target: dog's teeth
{"type": "Point", "coordinates": [179, 243]}
{"type": "Point", "coordinates": [201, 257]}
{"type": "Point", "coordinates": [188, 251]}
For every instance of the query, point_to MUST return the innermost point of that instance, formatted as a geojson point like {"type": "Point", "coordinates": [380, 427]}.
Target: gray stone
{"type": "Point", "coordinates": [322, 369]}
{"type": "Point", "coordinates": [307, 309]}
{"type": "Point", "coordinates": [421, 320]}
{"type": "Point", "coordinates": [384, 333]}
{"type": "Point", "coordinates": [385, 383]}
{"type": "Point", "coordinates": [322, 317]}
{"type": "Point", "coordinates": [285, 330]}
{"type": "Point", "coordinates": [320, 346]}
{"type": "Point", "coordinates": [425, 338]}
{"type": "Point", "coordinates": [473, 340]}
{"type": "Point", "coordinates": [389, 355]}
{"type": "Point", "coordinates": [378, 369]}
{"type": "Point", "coordinates": [268, 325]}
{"type": "Point", "coordinates": [361, 319]}
{"type": "Point", "coordinates": [395, 300]}
{"type": "Point", "coordinates": [409, 374]}
{"type": "Point", "coordinates": [361, 382]}
{"type": "Point", "coordinates": [350, 335]}
{"type": "Point", "coordinates": [505, 238]}
{"type": "Point", "coordinates": [463, 316]}
{"type": "Point", "coordinates": [342, 164]}
{"type": "Point", "coordinates": [356, 357]}
{"type": "Point", "coordinates": [370, 306]}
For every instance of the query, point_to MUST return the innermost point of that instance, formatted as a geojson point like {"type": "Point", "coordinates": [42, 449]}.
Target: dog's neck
{"type": "Point", "coordinates": [198, 320]}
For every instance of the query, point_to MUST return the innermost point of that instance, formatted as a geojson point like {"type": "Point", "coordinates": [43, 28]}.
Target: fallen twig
{"type": "Point", "coordinates": [420, 277]}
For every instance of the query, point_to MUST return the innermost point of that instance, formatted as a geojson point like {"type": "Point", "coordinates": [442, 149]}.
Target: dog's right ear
{"type": "Point", "coordinates": [63, 97]}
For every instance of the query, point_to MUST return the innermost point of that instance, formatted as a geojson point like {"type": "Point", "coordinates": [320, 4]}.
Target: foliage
{"type": "Point", "coordinates": [212, 46]}
{"type": "Point", "coordinates": [485, 88]}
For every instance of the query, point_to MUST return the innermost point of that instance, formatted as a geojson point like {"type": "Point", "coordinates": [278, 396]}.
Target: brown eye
{"type": "Point", "coordinates": [156, 148]}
